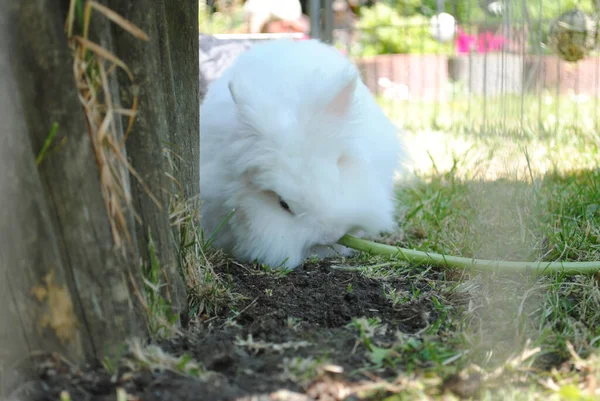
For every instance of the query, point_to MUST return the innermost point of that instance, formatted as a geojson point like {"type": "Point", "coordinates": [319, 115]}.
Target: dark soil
{"type": "Point", "coordinates": [311, 308]}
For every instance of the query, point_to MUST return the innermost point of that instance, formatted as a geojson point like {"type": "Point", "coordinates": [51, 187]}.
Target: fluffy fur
{"type": "Point", "coordinates": [292, 121]}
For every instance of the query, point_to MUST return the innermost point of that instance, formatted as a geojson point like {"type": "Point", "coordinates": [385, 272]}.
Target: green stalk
{"type": "Point", "coordinates": [47, 143]}
{"type": "Point", "coordinates": [419, 257]}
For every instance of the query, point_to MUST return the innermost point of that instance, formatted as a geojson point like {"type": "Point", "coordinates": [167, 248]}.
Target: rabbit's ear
{"type": "Point", "coordinates": [343, 99]}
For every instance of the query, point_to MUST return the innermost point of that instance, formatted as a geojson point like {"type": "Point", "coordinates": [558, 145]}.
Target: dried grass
{"type": "Point", "coordinates": [92, 65]}
{"type": "Point", "coordinates": [152, 357]}
{"type": "Point", "coordinates": [207, 291]}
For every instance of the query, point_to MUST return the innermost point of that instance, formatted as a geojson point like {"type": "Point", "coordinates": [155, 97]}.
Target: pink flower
{"type": "Point", "coordinates": [483, 42]}
{"type": "Point", "coordinates": [464, 42]}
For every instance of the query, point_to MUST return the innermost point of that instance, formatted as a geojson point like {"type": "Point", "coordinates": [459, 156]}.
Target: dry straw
{"type": "Point", "coordinates": [92, 65]}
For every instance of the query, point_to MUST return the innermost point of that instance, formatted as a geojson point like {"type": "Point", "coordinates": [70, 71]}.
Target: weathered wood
{"type": "Point", "coordinates": [71, 177]}
{"type": "Point", "coordinates": [28, 250]}
{"type": "Point", "coordinates": [178, 30]}
{"type": "Point", "coordinates": [64, 287]}
{"type": "Point", "coordinates": [154, 66]}
{"type": "Point", "coordinates": [53, 220]}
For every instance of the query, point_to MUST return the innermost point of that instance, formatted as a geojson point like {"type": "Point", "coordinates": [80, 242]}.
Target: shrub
{"type": "Point", "coordinates": [384, 30]}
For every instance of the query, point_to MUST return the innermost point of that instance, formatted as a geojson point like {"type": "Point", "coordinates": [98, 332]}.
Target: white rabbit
{"type": "Point", "coordinates": [292, 139]}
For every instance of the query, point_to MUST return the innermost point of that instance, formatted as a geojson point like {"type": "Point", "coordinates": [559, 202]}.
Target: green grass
{"type": "Point", "coordinates": [513, 138]}
{"type": "Point", "coordinates": [534, 115]}
{"type": "Point", "coordinates": [501, 190]}
{"type": "Point", "coordinates": [555, 218]}
{"type": "Point", "coordinates": [161, 318]}
{"type": "Point", "coordinates": [516, 337]}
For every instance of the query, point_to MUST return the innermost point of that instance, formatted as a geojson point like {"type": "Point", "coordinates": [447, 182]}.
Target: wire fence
{"type": "Point", "coordinates": [499, 70]}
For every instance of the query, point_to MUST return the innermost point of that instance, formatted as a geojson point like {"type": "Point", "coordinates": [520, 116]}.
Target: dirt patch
{"type": "Point", "coordinates": [296, 332]}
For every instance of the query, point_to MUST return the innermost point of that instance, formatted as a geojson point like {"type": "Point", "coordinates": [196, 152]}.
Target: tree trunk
{"type": "Point", "coordinates": [179, 28]}
{"type": "Point", "coordinates": [67, 287]}
{"type": "Point", "coordinates": [29, 247]}
{"type": "Point", "coordinates": [64, 287]}
{"type": "Point", "coordinates": [166, 128]}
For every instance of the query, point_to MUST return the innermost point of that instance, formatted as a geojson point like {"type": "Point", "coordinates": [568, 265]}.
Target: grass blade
{"type": "Point", "coordinates": [47, 143]}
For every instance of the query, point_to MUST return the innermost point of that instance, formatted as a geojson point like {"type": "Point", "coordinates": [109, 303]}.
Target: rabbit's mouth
{"type": "Point", "coordinates": [332, 238]}
{"type": "Point", "coordinates": [337, 235]}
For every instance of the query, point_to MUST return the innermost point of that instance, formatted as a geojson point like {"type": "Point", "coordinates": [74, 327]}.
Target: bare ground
{"type": "Point", "coordinates": [290, 337]}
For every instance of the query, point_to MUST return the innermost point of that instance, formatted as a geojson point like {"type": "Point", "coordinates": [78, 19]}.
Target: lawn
{"type": "Point", "coordinates": [513, 187]}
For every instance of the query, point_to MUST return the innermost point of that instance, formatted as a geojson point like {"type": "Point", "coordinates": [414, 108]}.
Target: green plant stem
{"type": "Point", "coordinates": [437, 259]}
{"type": "Point", "coordinates": [47, 143]}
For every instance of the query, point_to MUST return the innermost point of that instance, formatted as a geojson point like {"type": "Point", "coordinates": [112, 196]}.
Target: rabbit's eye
{"type": "Point", "coordinates": [284, 205]}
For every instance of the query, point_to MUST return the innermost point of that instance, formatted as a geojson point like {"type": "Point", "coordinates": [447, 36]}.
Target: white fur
{"type": "Point", "coordinates": [277, 122]}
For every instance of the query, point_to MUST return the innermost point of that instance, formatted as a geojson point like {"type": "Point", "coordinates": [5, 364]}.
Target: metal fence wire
{"type": "Point", "coordinates": [501, 67]}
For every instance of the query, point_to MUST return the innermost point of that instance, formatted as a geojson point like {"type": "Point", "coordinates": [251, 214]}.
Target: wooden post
{"type": "Point", "coordinates": [166, 70]}
{"type": "Point", "coordinates": [37, 312]}
{"type": "Point", "coordinates": [64, 288]}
